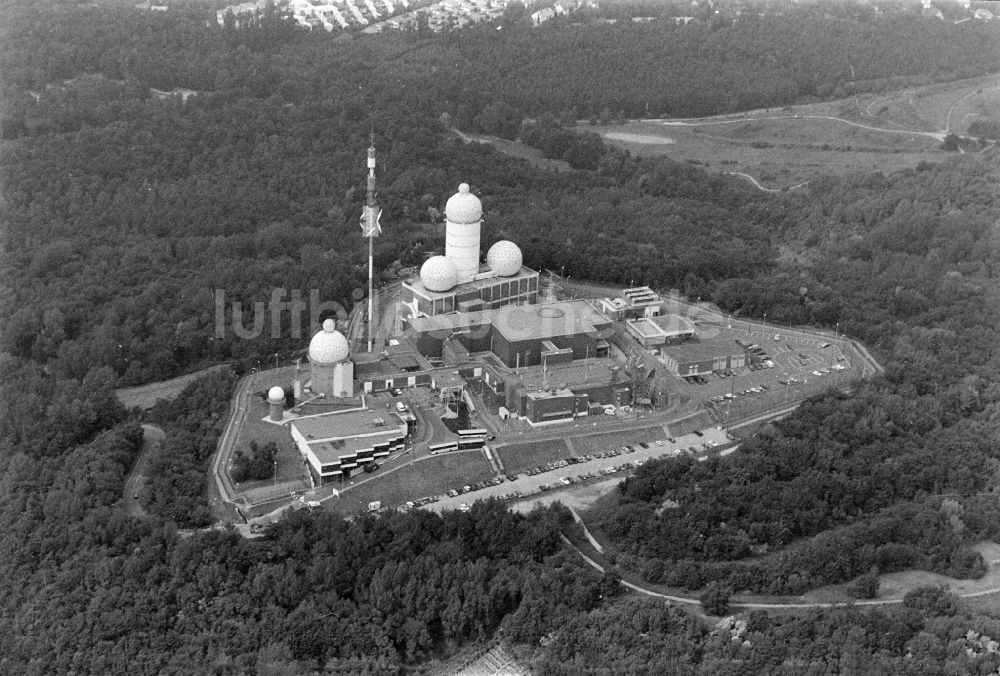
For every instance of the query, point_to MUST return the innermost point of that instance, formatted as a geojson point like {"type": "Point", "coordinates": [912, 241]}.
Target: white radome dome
{"type": "Point", "coordinates": [504, 258]}
{"type": "Point", "coordinates": [276, 395]}
{"type": "Point", "coordinates": [438, 274]}
{"type": "Point", "coordinates": [463, 207]}
{"type": "Point", "coordinates": [329, 345]}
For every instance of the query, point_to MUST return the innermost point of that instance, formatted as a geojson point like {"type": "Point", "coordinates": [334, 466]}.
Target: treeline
{"type": "Point", "coordinates": [660, 69]}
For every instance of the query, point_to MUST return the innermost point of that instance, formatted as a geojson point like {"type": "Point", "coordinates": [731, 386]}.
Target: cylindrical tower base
{"type": "Point", "coordinates": [462, 248]}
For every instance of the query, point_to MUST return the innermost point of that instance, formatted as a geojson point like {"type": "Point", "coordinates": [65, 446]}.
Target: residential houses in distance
{"type": "Point", "coordinates": [373, 16]}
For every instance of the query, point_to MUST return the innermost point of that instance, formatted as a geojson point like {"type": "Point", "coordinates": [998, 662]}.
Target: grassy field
{"type": "Point", "coordinates": [255, 429]}
{"type": "Point", "coordinates": [596, 443]}
{"type": "Point", "coordinates": [784, 147]}
{"type": "Point", "coordinates": [520, 457]}
{"type": "Point", "coordinates": [146, 396]}
{"type": "Point", "coordinates": [928, 107]}
{"type": "Point", "coordinates": [431, 476]}
{"type": "Point", "coordinates": [778, 153]}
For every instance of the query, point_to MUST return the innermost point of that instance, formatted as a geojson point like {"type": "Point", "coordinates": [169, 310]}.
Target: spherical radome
{"type": "Point", "coordinates": [276, 394]}
{"type": "Point", "coordinates": [463, 207]}
{"type": "Point", "coordinates": [438, 274]}
{"type": "Point", "coordinates": [329, 345]}
{"type": "Point", "coordinates": [504, 258]}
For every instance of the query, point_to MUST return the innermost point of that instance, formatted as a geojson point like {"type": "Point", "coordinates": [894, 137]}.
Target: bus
{"type": "Point", "coordinates": [443, 447]}
{"type": "Point", "coordinates": [471, 443]}
{"type": "Point", "coordinates": [472, 433]}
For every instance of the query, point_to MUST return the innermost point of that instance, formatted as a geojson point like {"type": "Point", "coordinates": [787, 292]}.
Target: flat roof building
{"type": "Point", "coordinates": [666, 329]}
{"type": "Point", "coordinates": [563, 392]}
{"type": "Point", "coordinates": [337, 445]}
{"type": "Point", "coordinates": [701, 357]}
{"type": "Point", "coordinates": [479, 294]}
{"type": "Point", "coordinates": [519, 336]}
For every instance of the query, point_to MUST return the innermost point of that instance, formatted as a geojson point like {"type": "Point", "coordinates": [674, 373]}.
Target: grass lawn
{"type": "Point", "coordinates": [524, 456]}
{"type": "Point", "coordinates": [431, 476]}
{"type": "Point", "coordinates": [596, 443]}
{"type": "Point", "coordinates": [255, 429]}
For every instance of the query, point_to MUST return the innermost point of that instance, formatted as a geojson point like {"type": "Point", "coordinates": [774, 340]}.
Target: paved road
{"type": "Point", "coordinates": [763, 605]}
{"type": "Point", "coordinates": [530, 485]}
{"type": "Point", "coordinates": [153, 436]}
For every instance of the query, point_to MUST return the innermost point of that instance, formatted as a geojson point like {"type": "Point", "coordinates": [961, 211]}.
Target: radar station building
{"type": "Point", "coordinates": [331, 371]}
{"type": "Point", "coordinates": [456, 282]}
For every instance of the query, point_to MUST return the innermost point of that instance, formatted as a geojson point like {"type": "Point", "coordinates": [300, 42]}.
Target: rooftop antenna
{"type": "Point", "coordinates": [371, 228]}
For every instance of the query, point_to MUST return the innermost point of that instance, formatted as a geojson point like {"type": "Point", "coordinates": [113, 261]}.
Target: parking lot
{"type": "Point", "coordinates": [565, 473]}
{"type": "Point", "coordinates": [783, 366]}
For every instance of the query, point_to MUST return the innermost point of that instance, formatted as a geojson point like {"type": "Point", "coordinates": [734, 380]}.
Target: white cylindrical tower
{"type": "Point", "coordinates": [464, 220]}
{"type": "Point", "coordinates": [275, 402]}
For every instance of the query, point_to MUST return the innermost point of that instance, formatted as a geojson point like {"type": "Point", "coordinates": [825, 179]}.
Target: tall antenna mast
{"type": "Point", "coordinates": [370, 228]}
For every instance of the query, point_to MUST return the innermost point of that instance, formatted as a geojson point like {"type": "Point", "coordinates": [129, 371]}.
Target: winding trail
{"type": "Point", "coordinates": [686, 123]}
{"type": "Point", "coordinates": [757, 184]}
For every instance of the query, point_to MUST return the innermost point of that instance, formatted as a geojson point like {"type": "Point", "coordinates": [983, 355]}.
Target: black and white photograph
{"type": "Point", "coordinates": [499, 337]}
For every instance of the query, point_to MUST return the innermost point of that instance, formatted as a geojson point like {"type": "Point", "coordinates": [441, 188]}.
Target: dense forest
{"type": "Point", "coordinates": [909, 265]}
{"type": "Point", "coordinates": [127, 209]}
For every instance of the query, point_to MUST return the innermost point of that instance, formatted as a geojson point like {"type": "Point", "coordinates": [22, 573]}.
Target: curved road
{"type": "Point", "coordinates": [756, 605]}
{"type": "Point", "coordinates": [153, 436]}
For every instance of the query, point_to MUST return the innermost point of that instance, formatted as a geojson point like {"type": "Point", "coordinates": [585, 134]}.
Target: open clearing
{"type": "Point", "coordinates": [431, 476]}
{"type": "Point", "coordinates": [646, 139]}
{"type": "Point", "coordinates": [523, 456]}
{"type": "Point", "coordinates": [146, 396]}
{"type": "Point", "coordinates": [781, 148]}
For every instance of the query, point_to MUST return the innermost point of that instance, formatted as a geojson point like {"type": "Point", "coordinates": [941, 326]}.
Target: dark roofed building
{"type": "Point", "coordinates": [520, 335]}
{"type": "Point", "coordinates": [702, 356]}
